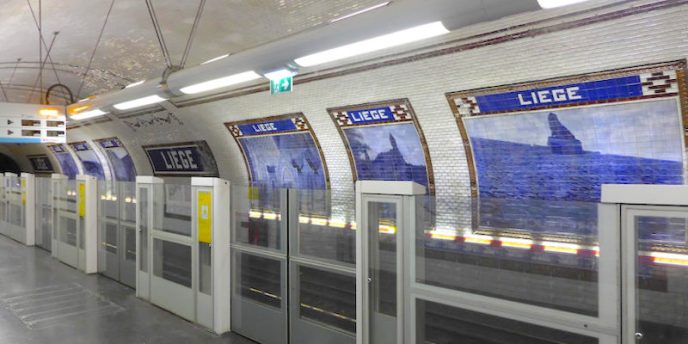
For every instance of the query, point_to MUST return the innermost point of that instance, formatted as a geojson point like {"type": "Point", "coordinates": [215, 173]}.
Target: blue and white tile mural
{"type": "Point", "coordinates": [542, 169]}
{"type": "Point", "coordinates": [280, 152]}
{"type": "Point", "coordinates": [284, 161]}
{"type": "Point", "coordinates": [120, 161]}
{"type": "Point", "coordinates": [64, 158]}
{"type": "Point", "coordinates": [384, 142]}
{"type": "Point", "coordinates": [568, 154]}
{"type": "Point", "coordinates": [89, 160]}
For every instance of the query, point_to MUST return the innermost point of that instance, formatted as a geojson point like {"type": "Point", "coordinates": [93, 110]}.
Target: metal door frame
{"type": "Point", "coordinates": [66, 253]}
{"type": "Point", "coordinates": [40, 208]}
{"type": "Point", "coordinates": [143, 278]}
{"type": "Point", "coordinates": [158, 295]}
{"type": "Point", "coordinates": [103, 222]}
{"type": "Point", "coordinates": [281, 255]}
{"type": "Point", "coordinates": [364, 263]}
{"type": "Point", "coordinates": [637, 199]}
{"type": "Point", "coordinates": [385, 191]}
{"type": "Point", "coordinates": [304, 329]}
{"type": "Point", "coordinates": [629, 257]}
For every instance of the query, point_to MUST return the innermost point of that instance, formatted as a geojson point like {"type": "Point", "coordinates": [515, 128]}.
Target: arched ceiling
{"type": "Point", "coordinates": [129, 50]}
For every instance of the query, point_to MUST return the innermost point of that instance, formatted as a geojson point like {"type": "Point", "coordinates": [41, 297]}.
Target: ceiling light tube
{"type": "Point", "coordinates": [368, 9]}
{"type": "Point", "coordinates": [220, 82]}
{"type": "Point", "coordinates": [135, 84]}
{"type": "Point", "coordinates": [132, 104]}
{"type": "Point", "coordinates": [558, 3]}
{"type": "Point", "coordinates": [394, 39]}
{"type": "Point", "coordinates": [88, 114]}
{"type": "Point", "coordinates": [215, 59]}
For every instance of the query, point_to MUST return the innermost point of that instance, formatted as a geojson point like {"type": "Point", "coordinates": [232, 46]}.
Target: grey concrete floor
{"type": "Point", "coordinates": [45, 301]}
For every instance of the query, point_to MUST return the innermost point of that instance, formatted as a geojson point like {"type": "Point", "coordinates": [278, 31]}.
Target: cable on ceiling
{"type": "Point", "coordinates": [93, 54]}
{"type": "Point", "coordinates": [158, 33]}
{"type": "Point", "coordinates": [40, 47]}
{"type": "Point", "coordinates": [4, 93]}
{"type": "Point", "coordinates": [192, 34]}
{"type": "Point", "coordinates": [41, 66]}
{"type": "Point", "coordinates": [50, 89]}
{"type": "Point", "coordinates": [14, 70]}
{"type": "Point", "coordinates": [45, 45]}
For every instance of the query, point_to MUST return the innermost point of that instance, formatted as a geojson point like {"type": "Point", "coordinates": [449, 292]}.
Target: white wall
{"type": "Point", "coordinates": [655, 36]}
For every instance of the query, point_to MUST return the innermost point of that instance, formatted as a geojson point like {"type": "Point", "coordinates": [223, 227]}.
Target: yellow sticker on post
{"type": "Point", "coordinates": [82, 199]}
{"type": "Point", "coordinates": [204, 216]}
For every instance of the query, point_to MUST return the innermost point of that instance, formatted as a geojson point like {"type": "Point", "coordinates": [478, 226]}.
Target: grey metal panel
{"type": "Point", "coordinates": [257, 322]}
{"type": "Point", "coordinates": [204, 310]}
{"type": "Point", "coordinates": [68, 254]}
{"type": "Point", "coordinates": [127, 267]}
{"type": "Point", "coordinates": [307, 332]}
{"type": "Point", "coordinates": [173, 297]}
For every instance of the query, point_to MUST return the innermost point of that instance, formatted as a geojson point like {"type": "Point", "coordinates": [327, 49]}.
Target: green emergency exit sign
{"type": "Point", "coordinates": [282, 85]}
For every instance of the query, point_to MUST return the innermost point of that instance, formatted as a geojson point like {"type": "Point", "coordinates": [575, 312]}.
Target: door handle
{"type": "Point", "coordinates": [638, 337]}
{"type": "Point", "coordinates": [370, 279]}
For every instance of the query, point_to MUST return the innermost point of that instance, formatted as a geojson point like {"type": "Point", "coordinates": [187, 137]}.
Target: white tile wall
{"type": "Point", "coordinates": [656, 36]}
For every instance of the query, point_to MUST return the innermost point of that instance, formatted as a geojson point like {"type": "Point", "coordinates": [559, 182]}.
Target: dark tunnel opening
{"type": "Point", "coordinates": [8, 164]}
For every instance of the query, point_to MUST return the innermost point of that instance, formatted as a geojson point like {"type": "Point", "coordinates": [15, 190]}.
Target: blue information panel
{"type": "Point", "coordinates": [120, 161]}
{"type": "Point", "coordinates": [625, 87]}
{"type": "Point", "coordinates": [269, 127]}
{"type": "Point", "coordinates": [64, 158]}
{"type": "Point", "coordinates": [41, 164]}
{"type": "Point", "coordinates": [367, 116]}
{"type": "Point", "coordinates": [182, 159]}
{"type": "Point", "coordinates": [89, 159]}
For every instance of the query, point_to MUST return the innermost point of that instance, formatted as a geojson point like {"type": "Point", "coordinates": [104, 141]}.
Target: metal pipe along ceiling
{"type": "Point", "coordinates": [275, 55]}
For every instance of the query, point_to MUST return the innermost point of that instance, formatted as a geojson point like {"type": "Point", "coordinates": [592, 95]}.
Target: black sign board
{"type": "Point", "coordinates": [187, 159]}
{"type": "Point", "coordinates": [41, 164]}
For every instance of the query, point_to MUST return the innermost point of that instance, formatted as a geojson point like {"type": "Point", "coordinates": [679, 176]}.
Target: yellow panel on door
{"type": "Point", "coordinates": [204, 215]}
{"type": "Point", "coordinates": [82, 199]}
{"type": "Point", "coordinates": [23, 191]}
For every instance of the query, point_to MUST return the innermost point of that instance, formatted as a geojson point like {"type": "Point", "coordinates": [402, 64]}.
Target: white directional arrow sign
{"type": "Point", "coordinates": [32, 123]}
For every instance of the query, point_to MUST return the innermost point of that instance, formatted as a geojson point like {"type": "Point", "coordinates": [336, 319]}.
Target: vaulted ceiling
{"type": "Point", "coordinates": [101, 45]}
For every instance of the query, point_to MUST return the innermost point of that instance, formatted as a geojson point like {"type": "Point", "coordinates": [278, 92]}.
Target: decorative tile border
{"type": "Point", "coordinates": [628, 84]}
{"type": "Point", "coordinates": [269, 126]}
{"type": "Point", "coordinates": [380, 113]}
{"type": "Point", "coordinates": [274, 125]}
{"type": "Point", "coordinates": [80, 146]}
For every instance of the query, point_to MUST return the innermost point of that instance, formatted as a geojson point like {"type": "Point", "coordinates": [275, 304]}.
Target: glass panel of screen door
{"type": "Point", "coordinates": [661, 277]}
{"type": "Point", "coordinates": [382, 272]}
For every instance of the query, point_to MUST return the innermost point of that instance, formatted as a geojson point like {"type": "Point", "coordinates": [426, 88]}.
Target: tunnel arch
{"type": "Point", "coordinates": [7, 164]}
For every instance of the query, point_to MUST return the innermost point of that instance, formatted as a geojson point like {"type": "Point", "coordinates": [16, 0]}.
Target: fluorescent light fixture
{"type": "Point", "coordinates": [279, 74]}
{"type": "Point", "coordinates": [139, 102]}
{"type": "Point", "coordinates": [374, 44]}
{"type": "Point", "coordinates": [215, 59]}
{"type": "Point", "coordinates": [49, 112]}
{"type": "Point", "coordinates": [220, 82]}
{"type": "Point", "coordinates": [558, 3]}
{"type": "Point", "coordinates": [135, 84]}
{"type": "Point", "coordinates": [368, 9]}
{"type": "Point", "coordinates": [88, 114]}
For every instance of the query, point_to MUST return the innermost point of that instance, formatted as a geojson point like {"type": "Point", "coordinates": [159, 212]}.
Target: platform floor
{"type": "Point", "coordinates": [45, 301]}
